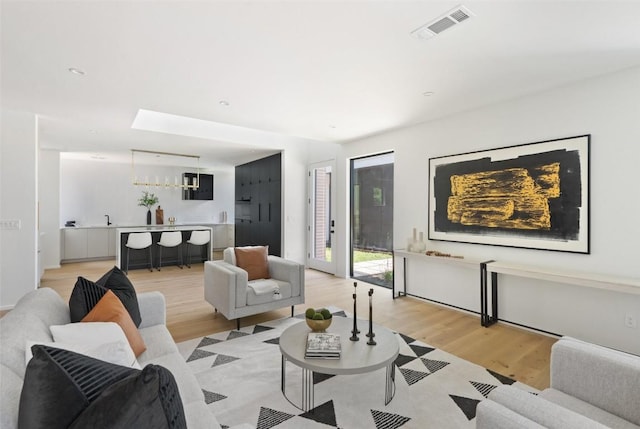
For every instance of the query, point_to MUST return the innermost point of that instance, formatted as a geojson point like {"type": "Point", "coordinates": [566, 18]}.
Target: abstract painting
{"type": "Point", "coordinates": [534, 196]}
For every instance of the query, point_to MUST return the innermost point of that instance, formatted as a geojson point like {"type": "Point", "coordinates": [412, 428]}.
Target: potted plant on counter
{"type": "Point", "coordinates": [147, 200]}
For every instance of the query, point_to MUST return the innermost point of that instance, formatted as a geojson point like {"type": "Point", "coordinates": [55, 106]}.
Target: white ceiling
{"type": "Point", "coordinates": [327, 71]}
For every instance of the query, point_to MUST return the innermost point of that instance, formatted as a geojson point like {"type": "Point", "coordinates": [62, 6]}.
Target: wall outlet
{"type": "Point", "coordinates": [10, 224]}
{"type": "Point", "coordinates": [630, 321]}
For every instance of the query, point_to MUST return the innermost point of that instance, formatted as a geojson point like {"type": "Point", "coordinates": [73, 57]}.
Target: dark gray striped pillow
{"type": "Point", "coordinates": [63, 389]}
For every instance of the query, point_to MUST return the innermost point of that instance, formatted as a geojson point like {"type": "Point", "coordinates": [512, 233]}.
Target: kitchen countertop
{"type": "Point", "coordinates": [162, 228]}
{"type": "Point", "coordinates": [142, 226]}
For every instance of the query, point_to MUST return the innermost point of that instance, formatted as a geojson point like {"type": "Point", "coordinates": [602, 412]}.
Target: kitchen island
{"type": "Point", "coordinates": [170, 256]}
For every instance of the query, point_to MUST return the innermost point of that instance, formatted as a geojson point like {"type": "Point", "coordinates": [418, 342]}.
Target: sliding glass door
{"type": "Point", "coordinates": [372, 219]}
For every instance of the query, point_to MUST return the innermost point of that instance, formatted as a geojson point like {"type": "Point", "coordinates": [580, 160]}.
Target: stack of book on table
{"type": "Point", "coordinates": [323, 345]}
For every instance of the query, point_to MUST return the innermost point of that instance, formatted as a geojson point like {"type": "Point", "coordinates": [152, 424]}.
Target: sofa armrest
{"type": "Point", "coordinates": [153, 309]}
{"type": "Point", "coordinates": [288, 271]}
{"type": "Point", "coordinates": [491, 415]}
{"type": "Point", "coordinates": [605, 378]}
{"type": "Point", "coordinates": [541, 411]}
{"type": "Point", "coordinates": [225, 287]}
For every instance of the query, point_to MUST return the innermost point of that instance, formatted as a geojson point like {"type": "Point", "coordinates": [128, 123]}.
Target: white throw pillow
{"type": "Point", "coordinates": [94, 335]}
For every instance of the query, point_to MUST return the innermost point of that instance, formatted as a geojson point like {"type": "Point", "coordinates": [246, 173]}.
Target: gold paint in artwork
{"type": "Point", "coordinates": [508, 198]}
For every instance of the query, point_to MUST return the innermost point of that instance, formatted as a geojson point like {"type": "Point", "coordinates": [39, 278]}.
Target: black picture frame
{"type": "Point", "coordinates": [534, 196]}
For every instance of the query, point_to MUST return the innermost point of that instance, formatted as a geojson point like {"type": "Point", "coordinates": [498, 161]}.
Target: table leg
{"type": "Point", "coordinates": [390, 383]}
{"type": "Point", "coordinates": [307, 389]}
{"type": "Point", "coordinates": [283, 374]}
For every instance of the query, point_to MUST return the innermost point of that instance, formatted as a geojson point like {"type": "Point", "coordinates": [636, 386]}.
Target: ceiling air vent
{"type": "Point", "coordinates": [442, 23]}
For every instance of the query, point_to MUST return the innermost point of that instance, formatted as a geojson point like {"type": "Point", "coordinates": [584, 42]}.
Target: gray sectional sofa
{"type": "Point", "coordinates": [36, 311]}
{"type": "Point", "coordinates": [591, 387]}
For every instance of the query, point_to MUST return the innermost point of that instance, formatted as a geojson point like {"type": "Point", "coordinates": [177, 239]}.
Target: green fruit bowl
{"type": "Point", "coordinates": [318, 325]}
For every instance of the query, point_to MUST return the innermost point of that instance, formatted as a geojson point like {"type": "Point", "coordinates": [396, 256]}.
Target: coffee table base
{"type": "Point", "coordinates": [308, 388]}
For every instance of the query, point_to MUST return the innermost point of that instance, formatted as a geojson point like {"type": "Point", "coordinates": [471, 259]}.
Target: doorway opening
{"type": "Point", "coordinates": [372, 219]}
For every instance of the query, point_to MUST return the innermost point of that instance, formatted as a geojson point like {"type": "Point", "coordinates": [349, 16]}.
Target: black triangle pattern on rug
{"type": "Point", "coordinates": [261, 328]}
{"type": "Point", "coordinates": [236, 334]}
{"type": "Point", "coordinates": [434, 365]}
{"type": "Point", "coordinates": [199, 354]}
{"type": "Point", "coordinates": [275, 341]}
{"type": "Point", "coordinates": [324, 413]}
{"type": "Point", "coordinates": [206, 341]}
{"type": "Point", "coordinates": [421, 350]}
{"type": "Point", "coordinates": [222, 359]}
{"type": "Point", "coordinates": [502, 378]}
{"type": "Point", "coordinates": [411, 376]}
{"type": "Point", "coordinates": [211, 397]}
{"type": "Point", "coordinates": [407, 339]}
{"type": "Point", "coordinates": [388, 420]}
{"type": "Point", "coordinates": [403, 360]}
{"type": "Point", "coordinates": [269, 418]}
{"type": "Point", "coordinates": [319, 378]}
{"type": "Point", "coordinates": [466, 405]}
{"type": "Point", "coordinates": [483, 388]}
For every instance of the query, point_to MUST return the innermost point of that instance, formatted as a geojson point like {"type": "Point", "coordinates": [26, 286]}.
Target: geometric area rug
{"type": "Point", "coordinates": [239, 373]}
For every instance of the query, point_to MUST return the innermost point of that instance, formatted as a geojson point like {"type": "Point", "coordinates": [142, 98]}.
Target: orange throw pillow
{"type": "Point", "coordinates": [253, 259]}
{"type": "Point", "coordinates": [110, 309]}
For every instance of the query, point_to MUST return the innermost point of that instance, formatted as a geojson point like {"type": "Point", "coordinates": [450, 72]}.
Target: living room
{"type": "Point", "coordinates": [602, 104]}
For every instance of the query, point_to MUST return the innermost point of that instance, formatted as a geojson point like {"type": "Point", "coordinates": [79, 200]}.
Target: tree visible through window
{"type": "Point", "coordinates": [378, 197]}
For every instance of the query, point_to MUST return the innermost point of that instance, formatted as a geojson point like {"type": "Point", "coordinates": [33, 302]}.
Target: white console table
{"type": "Point", "coordinates": [469, 263]}
{"type": "Point", "coordinates": [578, 278]}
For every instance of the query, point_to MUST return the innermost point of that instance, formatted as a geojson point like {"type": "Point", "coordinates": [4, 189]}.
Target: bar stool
{"type": "Point", "coordinates": [139, 241]}
{"type": "Point", "coordinates": [198, 238]}
{"type": "Point", "coordinates": [170, 239]}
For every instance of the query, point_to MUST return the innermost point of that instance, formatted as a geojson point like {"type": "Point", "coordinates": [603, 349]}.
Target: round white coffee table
{"type": "Point", "coordinates": [357, 357]}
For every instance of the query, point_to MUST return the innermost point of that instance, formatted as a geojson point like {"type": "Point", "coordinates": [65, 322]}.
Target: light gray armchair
{"type": "Point", "coordinates": [228, 290]}
{"type": "Point", "coordinates": [591, 387]}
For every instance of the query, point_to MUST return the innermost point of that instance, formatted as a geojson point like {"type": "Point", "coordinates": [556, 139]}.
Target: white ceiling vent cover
{"type": "Point", "coordinates": [450, 19]}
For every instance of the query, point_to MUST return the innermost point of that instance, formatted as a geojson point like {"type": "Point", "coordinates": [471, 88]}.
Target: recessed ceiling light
{"type": "Point", "coordinates": [76, 71]}
{"type": "Point", "coordinates": [224, 103]}
{"type": "Point", "coordinates": [332, 127]}
{"type": "Point", "coordinates": [428, 93]}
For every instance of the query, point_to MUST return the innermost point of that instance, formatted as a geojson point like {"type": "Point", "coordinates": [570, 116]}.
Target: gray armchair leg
{"type": "Point", "coordinates": [238, 323]}
{"type": "Point", "coordinates": [292, 310]}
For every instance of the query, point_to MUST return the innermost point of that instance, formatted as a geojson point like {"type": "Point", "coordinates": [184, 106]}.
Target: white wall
{"type": "Point", "coordinates": [18, 186]}
{"type": "Point", "coordinates": [91, 189]}
{"type": "Point", "coordinates": [608, 108]}
{"type": "Point", "coordinates": [49, 202]}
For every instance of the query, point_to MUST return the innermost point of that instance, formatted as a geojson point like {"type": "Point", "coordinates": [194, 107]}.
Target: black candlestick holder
{"type": "Point", "coordinates": [355, 325]}
{"type": "Point", "coordinates": [371, 341]}
{"type": "Point", "coordinates": [354, 332]}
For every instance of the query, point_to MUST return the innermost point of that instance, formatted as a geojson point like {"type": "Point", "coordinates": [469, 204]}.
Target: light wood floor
{"type": "Point", "coordinates": [508, 350]}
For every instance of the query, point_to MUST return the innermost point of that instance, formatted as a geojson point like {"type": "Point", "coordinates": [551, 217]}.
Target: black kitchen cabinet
{"type": "Point", "coordinates": [204, 191]}
{"type": "Point", "coordinates": [258, 211]}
